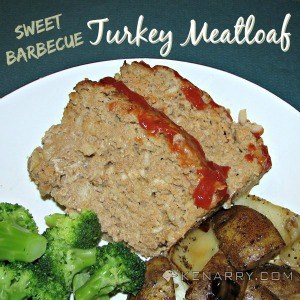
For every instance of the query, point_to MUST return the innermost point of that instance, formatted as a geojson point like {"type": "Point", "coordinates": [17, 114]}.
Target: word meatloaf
{"type": "Point", "coordinates": [148, 179]}
{"type": "Point", "coordinates": [238, 145]}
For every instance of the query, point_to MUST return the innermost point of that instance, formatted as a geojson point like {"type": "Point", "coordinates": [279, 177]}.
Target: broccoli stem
{"type": "Point", "coordinates": [100, 285]}
{"type": "Point", "coordinates": [51, 220]}
{"type": "Point", "coordinates": [80, 259]}
{"type": "Point", "coordinates": [16, 243]}
{"type": "Point", "coordinates": [80, 279]}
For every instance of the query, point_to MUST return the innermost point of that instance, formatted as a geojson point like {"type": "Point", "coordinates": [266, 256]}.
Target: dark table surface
{"type": "Point", "coordinates": [264, 64]}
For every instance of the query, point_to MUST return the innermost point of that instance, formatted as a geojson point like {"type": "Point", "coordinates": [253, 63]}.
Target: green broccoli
{"type": "Point", "coordinates": [21, 280]}
{"type": "Point", "coordinates": [117, 269]}
{"type": "Point", "coordinates": [51, 290]}
{"type": "Point", "coordinates": [72, 241]}
{"type": "Point", "coordinates": [19, 238]}
{"type": "Point", "coordinates": [80, 279]}
{"type": "Point", "coordinates": [16, 281]}
{"type": "Point", "coordinates": [48, 288]}
{"type": "Point", "coordinates": [81, 230]}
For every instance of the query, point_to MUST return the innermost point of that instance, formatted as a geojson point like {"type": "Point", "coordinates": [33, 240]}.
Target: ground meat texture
{"type": "Point", "coordinates": [101, 158]}
{"type": "Point", "coordinates": [237, 145]}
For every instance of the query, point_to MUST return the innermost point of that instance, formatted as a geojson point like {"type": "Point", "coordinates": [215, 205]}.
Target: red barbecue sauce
{"type": "Point", "coordinates": [212, 177]}
{"type": "Point", "coordinates": [266, 161]}
{"type": "Point", "coordinates": [258, 134]}
{"type": "Point", "coordinates": [251, 147]}
{"type": "Point", "coordinates": [192, 93]}
{"type": "Point", "coordinates": [249, 157]}
{"type": "Point", "coordinates": [194, 96]}
{"type": "Point", "coordinates": [262, 156]}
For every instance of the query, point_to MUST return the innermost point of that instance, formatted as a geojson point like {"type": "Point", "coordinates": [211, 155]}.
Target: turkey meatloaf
{"type": "Point", "coordinates": [238, 145]}
{"type": "Point", "coordinates": [148, 180]}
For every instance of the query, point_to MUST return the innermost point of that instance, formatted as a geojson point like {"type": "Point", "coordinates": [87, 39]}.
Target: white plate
{"type": "Point", "coordinates": [28, 112]}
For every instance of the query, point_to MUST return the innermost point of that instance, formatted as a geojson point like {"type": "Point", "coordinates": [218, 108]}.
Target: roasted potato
{"type": "Point", "coordinates": [247, 237]}
{"type": "Point", "coordinates": [218, 278]}
{"type": "Point", "coordinates": [255, 291]}
{"type": "Point", "coordinates": [193, 252]}
{"type": "Point", "coordinates": [285, 221]}
{"type": "Point", "coordinates": [280, 281]}
{"type": "Point", "coordinates": [291, 256]}
{"type": "Point", "coordinates": [159, 282]}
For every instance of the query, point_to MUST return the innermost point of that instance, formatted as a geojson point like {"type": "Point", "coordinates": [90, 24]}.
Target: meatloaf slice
{"type": "Point", "coordinates": [127, 161]}
{"type": "Point", "coordinates": [225, 142]}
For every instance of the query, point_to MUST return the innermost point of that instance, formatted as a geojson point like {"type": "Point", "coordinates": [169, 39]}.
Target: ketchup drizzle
{"type": "Point", "coordinates": [212, 177]}
{"type": "Point", "coordinates": [262, 156]}
{"type": "Point", "coordinates": [193, 94]}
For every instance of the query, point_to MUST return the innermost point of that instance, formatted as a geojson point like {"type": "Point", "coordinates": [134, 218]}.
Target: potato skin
{"type": "Point", "coordinates": [256, 291]}
{"type": "Point", "coordinates": [217, 268]}
{"type": "Point", "coordinates": [285, 221]}
{"type": "Point", "coordinates": [247, 237]}
{"type": "Point", "coordinates": [157, 286]}
{"type": "Point", "coordinates": [282, 281]}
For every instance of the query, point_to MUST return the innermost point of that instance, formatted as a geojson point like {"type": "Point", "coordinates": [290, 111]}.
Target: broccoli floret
{"type": "Point", "coordinates": [19, 238]}
{"type": "Point", "coordinates": [81, 230]}
{"type": "Point", "coordinates": [19, 215]}
{"type": "Point", "coordinates": [71, 245]}
{"type": "Point", "coordinates": [21, 280]}
{"type": "Point", "coordinates": [117, 269]}
{"type": "Point", "coordinates": [63, 262]}
{"type": "Point", "coordinates": [16, 281]}
{"type": "Point", "coordinates": [48, 288]}
{"type": "Point", "coordinates": [51, 290]}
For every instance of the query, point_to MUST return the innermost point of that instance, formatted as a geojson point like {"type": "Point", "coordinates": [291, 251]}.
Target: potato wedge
{"type": "Point", "coordinates": [291, 256]}
{"type": "Point", "coordinates": [255, 291]}
{"type": "Point", "coordinates": [218, 278]}
{"type": "Point", "coordinates": [159, 282]}
{"type": "Point", "coordinates": [285, 221]}
{"type": "Point", "coordinates": [280, 281]}
{"type": "Point", "coordinates": [193, 252]}
{"type": "Point", "coordinates": [247, 237]}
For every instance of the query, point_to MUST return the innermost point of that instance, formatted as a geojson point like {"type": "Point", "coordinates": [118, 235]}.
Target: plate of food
{"type": "Point", "coordinates": [160, 151]}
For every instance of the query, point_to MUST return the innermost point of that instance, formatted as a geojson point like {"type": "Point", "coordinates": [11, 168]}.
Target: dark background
{"type": "Point", "coordinates": [266, 64]}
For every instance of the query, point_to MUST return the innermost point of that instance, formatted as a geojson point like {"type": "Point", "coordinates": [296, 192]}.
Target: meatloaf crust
{"type": "Point", "coordinates": [227, 143]}
{"type": "Point", "coordinates": [130, 163]}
